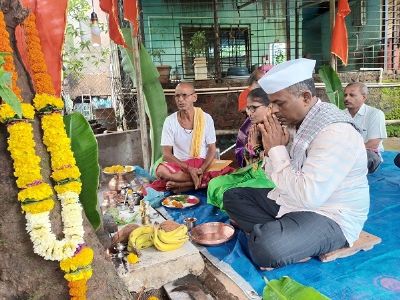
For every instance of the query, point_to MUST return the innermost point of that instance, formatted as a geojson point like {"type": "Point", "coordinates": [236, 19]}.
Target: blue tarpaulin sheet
{"type": "Point", "coordinates": [373, 274]}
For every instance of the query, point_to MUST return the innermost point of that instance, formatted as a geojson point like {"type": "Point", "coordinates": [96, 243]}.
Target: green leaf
{"type": "Point", "coordinates": [155, 105]}
{"type": "Point", "coordinates": [11, 99]}
{"type": "Point", "coordinates": [286, 288]}
{"type": "Point", "coordinates": [84, 146]}
{"type": "Point", "coordinates": [5, 78]}
{"type": "Point", "coordinates": [333, 85]}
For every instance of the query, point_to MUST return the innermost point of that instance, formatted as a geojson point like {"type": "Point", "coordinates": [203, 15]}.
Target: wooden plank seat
{"type": "Point", "coordinates": [365, 242]}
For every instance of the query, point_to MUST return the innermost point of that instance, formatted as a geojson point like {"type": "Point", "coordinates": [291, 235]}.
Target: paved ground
{"type": "Point", "coordinates": [392, 144]}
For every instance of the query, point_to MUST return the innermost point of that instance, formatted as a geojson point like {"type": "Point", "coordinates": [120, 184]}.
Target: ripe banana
{"type": "Point", "coordinates": [141, 238]}
{"type": "Point", "coordinates": [166, 243]}
{"type": "Point", "coordinates": [177, 235]}
{"type": "Point", "coordinates": [144, 241]}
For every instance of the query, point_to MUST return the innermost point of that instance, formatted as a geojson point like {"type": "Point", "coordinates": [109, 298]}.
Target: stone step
{"type": "Point", "coordinates": [365, 242]}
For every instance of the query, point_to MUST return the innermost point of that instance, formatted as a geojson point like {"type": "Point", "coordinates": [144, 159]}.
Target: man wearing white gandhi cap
{"type": "Point", "coordinates": [321, 199]}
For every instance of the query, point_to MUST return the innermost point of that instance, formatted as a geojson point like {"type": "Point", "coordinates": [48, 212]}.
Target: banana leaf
{"type": "Point", "coordinates": [84, 146]}
{"type": "Point", "coordinates": [155, 104]}
{"type": "Point", "coordinates": [286, 288]}
{"type": "Point", "coordinates": [333, 85]}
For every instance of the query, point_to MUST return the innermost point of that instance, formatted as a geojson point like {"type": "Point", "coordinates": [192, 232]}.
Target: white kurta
{"type": "Point", "coordinates": [332, 181]}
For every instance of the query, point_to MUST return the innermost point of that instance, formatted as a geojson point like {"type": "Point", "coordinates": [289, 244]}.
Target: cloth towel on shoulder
{"type": "Point", "coordinates": [198, 132]}
{"type": "Point", "coordinates": [320, 115]}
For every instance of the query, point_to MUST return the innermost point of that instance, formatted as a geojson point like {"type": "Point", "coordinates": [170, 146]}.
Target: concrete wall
{"type": "Point", "coordinates": [222, 108]}
{"type": "Point", "coordinates": [123, 148]}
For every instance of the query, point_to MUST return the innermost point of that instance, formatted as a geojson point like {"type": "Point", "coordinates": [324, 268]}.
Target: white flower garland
{"type": "Point", "coordinates": [44, 240]}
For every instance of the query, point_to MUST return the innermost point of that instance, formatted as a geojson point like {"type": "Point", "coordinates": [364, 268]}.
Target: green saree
{"type": "Point", "coordinates": [249, 176]}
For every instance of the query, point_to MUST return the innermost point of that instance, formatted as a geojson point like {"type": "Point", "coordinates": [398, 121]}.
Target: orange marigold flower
{"type": "Point", "coordinates": [41, 78]}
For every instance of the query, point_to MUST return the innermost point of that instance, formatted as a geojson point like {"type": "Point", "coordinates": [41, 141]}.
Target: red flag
{"type": "Point", "coordinates": [111, 8]}
{"type": "Point", "coordinates": [339, 42]}
{"type": "Point", "coordinates": [131, 14]}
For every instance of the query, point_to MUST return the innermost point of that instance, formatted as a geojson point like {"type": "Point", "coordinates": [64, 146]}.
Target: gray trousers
{"type": "Point", "coordinates": [374, 160]}
{"type": "Point", "coordinates": [275, 242]}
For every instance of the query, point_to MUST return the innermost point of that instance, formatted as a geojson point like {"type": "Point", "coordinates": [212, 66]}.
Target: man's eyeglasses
{"type": "Point", "coordinates": [252, 108]}
{"type": "Point", "coordinates": [184, 96]}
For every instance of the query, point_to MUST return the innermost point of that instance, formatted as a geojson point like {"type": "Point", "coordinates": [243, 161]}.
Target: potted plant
{"type": "Point", "coordinates": [197, 47]}
{"type": "Point", "coordinates": [164, 70]}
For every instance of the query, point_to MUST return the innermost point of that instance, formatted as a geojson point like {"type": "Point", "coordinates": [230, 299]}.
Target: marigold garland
{"type": "Point", "coordinates": [37, 192]}
{"type": "Point", "coordinates": [38, 207]}
{"type": "Point", "coordinates": [82, 259]}
{"type": "Point", "coordinates": [22, 148]}
{"type": "Point", "coordinates": [36, 197]}
{"type": "Point", "coordinates": [44, 102]}
{"type": "Point", "coordinates": [9, 60]}
{"type": "Point", "coordinates": [63, 164]}
{"type": "Point", "coordinates": [41, 78]}
{"type": "Point", "coordinates": [77, 289]}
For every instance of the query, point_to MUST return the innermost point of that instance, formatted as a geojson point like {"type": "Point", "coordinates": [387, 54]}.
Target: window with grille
{"type": "Point", "coordinates": [234, 47]}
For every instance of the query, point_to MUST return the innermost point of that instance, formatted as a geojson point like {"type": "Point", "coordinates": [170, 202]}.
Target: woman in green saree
{"type": "Point", "coordinates": [248, 145]}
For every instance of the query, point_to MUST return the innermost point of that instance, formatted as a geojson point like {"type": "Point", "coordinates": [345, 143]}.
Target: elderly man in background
{"type": "Point", "coordinates": [370, 120]}
{"type": "Point", "coordinates": [188, 145]}
{"type": "Point", "coordinates": [321, 198]}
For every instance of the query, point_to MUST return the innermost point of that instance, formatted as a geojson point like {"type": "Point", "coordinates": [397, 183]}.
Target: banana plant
{"type": "Point", "coordinates": [6, 94]}
{"type": "Point", "coordinates": [155, 104]}
{"type": "Point", "coordinates": [85, 148]}
{"type": "Point", "coordinates": [333, 85]}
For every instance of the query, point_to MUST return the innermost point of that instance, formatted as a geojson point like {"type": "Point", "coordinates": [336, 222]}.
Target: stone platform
{"type": "Point", "coordinates": [157, 268]}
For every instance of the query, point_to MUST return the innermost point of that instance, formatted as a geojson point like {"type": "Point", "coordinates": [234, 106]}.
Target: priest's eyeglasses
{"type": "Point", "coordinates": [184, 96]}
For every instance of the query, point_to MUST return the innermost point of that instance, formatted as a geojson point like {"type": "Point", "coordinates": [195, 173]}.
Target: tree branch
{"type": "Point", "coordinates": [13, 9]}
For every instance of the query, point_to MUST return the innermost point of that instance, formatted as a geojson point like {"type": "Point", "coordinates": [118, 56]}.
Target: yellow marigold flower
{"type": "Point", "coordinates": [71, 172]}
{"type": "Point", "coordinates": [72, 186]}
{"type": "Point", "coordinates": [22, 149]}
{"type": "Point", "coordinates": [114, 169]}
{"type": "Point", "coordinates": [132, 258]}
{"type": "Point", "coordinates": [82, 259]}
{"type": "Point", "coordinates": [7, 113]}
{"type": "Point", "coordinates": [36, 193]}
{"type": "Point", "coordinates": [38, 207]}
{"type": "Point", "coordinates": [44, 101]}
{"type": "Point", "coordinates": [83, 274]}
{"type": "Point", "coordinates": [57, 141]}
{"type": "Point", "coordinates": [28, 111]}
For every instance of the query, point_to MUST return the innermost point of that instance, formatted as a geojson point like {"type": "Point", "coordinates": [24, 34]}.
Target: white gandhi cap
{"type": "Point", "coordinates": [286, 74]}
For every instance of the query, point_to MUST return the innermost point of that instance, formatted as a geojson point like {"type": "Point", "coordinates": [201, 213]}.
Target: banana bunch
{"type": "Point", "coordinates": [141, 238]}
{"type": "Point", "coordinates": [169, 240]}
